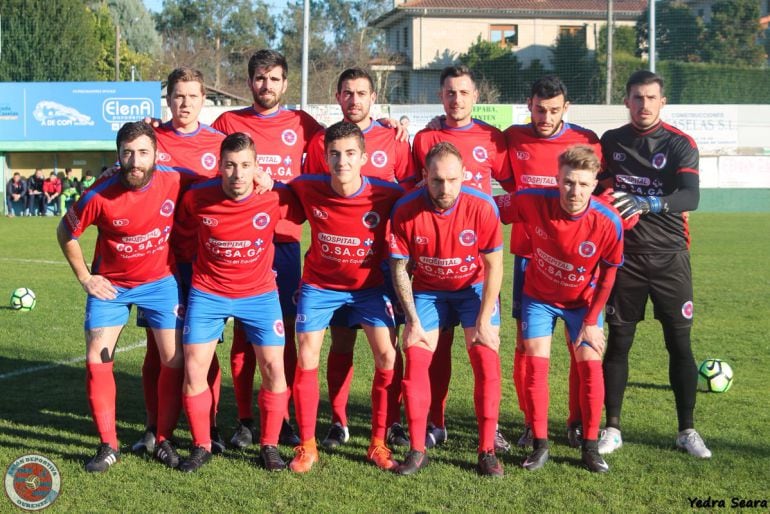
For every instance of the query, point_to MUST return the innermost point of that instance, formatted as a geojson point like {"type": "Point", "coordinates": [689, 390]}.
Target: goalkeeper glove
{"type": "Point", "coordinates": [630, 205]}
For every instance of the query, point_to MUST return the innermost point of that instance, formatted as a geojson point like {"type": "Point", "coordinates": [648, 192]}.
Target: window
{"type": "Point", "coordinates": [406, 38]}
{"type": "Point", "coordinates": [504, 35]}
{"type": "Point", "coordinates": [571, 30]}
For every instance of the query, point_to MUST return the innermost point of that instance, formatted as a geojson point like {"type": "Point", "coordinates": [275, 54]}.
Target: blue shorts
{"type": "Point", "coordinates": [161, 302]}
{"type": "Point", "coordinates": [341, 316]}
{"type": "Point", "coordinates": [288, 269]}
{"type": "Point", "coordinates": [442, 309]}
{"type": "Point", "coordinates": [539, 319]}
{"type": "Point", "coordinates": [519, 267]}
{"type": "Point", "coordinates": [184, 278]}
{"type": "Point", "coordinates": [260, 316]}
{"type": "Point", "coordinates": [365, 306]}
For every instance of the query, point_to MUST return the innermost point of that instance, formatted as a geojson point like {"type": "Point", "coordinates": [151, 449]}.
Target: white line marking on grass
{"type": "Point", "coordinates": [31, 261]}
{"type": "Point", "coordinates": [65, 362]}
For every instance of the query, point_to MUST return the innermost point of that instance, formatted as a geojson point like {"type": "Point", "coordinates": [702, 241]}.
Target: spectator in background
{"type": "Point", "coordinates": [15, 195]}
{"type": "Point", "coordinates": [88, 181]}
{"type": "Point", "coordinates": [70, 189]}
{"type": "Point", "coordinates": [35, 194]}
{"type": "Point", "coordinates": [51, 193]}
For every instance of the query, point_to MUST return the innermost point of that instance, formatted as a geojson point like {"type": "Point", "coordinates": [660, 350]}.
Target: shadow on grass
{"type": "Point", "coordinates": [647, 385]}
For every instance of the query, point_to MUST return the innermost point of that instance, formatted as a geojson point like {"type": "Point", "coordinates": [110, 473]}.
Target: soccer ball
{"type": "Point", "coordinates": [715, 376]}
{"type": "Point", "coordinates": [23, 299]}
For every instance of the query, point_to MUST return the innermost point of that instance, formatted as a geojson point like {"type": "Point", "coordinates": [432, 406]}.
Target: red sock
{"type": "Point", "coordinates": [339, 373]}
{"type": "Point", "coordinates": [536, 388]}
{"type": "Point", "coordinates": [150, 374]}
{"type": "Point", "coordinates": [486, 393]}
{"type": "Point", "coordinates": [306, 395]}
{"type": "Point", "coordinates": [100, 388]}
{"type": "Point", "coordinates": [520, 374]}
{"type": "Point", "coordinates": [381, 383]}
{"type": "Point", "coordinates": [440, 373]}
{"type": "Point", "coordinates": [574, 388]}
{"type": "Point", "coordinates": [243, 363]}
{"type": "Point", "coordinates": [394, 391]}
{"type": "Point", "coordinates": [417, 391]}
{"type": "Point", "coordinates": [591, 396]}
{"type": "Point", "coordinates": [215, 384]}
{"type": "Point", "coordinates": [169, 400]}
{"type": "Point", "coordinates": [272, 407]}
{"type": "Point", "coordinates": [197, 409]}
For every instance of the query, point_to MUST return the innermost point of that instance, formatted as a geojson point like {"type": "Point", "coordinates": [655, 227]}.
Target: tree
{"type": "Point", "coordinates": [137, 28]}
{"type": "Point", "coordinates": [497, 69]}
{"type": "Point", "coordinates": [42, 47]}
{"type": "Point", "coordinates": [577, 67]}
{"type": "Point", "coordinates": [733, 34]}
{"type": "Point", "coordinates": [216, 37]}
{"type": "Point", "coordinates": [678, 33]}
{"type": "Point", "coordinates": [623, 41]}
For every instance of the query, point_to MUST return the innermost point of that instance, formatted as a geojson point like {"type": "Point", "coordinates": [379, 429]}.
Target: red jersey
{"type": "Point", "coordinates": [195, 155]}
{"type": "Point", "coordinates": [566, 249]}
{"type": "Point", "coordinates": [134, 227]}
{"type": "Point", "coordinates": [281, 139]}
{"type": "Point", "coordinates": [234, 255]}
{"type": "Point", "coordinates": [389, 159]}
{"type": "Point", "coordinates": [445, 246]}
{"type": "Point", "coordinates": [348, 233]}
{"type": "Point", "coordinates": [482, 147]}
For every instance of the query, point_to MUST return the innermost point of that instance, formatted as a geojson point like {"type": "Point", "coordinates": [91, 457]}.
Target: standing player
{"type": "Point", "coordinates": [451, 233]}
{"type": "Point", "coordinates": [282, 136]}
{"type": "Point", "coordinates": [576, 246]}
{"type": "Point", "coordinates": [389, 159]}
{"type": "Point", "coordinates": [133, 211]}
{"type": "Point", "coordinates": [187, 145]}
{"type": "Point", "coordinates": [484, 158]}
{"type": "Point", "coordinates": [232, 276]}
{"type": "Point", "coordinates": [348, 215]}
{"type": "Point", "coordinates": [533, 151]}
{"type": "Point", "coordinates": [653, 168]}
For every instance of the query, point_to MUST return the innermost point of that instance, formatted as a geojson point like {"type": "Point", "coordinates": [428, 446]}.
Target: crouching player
{"type": "Point", "coordinates": [577, 245]}
{"type": "Point", "coordinates": [451, 233]}
{"type": "Point", "coordinates": [348, 215]}
{"type": "Point", "coordinates": [232, 276]}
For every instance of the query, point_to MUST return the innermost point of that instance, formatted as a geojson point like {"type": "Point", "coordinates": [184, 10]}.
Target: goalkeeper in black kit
{"type": "Point", "coordinates": [653, 169]}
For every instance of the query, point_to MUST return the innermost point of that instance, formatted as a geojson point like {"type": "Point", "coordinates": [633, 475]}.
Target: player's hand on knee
{"type": "Point", "coordinates": [99, 287]}
{"type": "Point", "coordinates": [414, 334]}
{"type": "Point", "coordinates": [593, 336]}
{"type": "Point", "coordinates": [487, 336]}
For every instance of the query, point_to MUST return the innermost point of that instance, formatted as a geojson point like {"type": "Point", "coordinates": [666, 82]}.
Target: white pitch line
{"type": "Point", "coordinates": [73, 360]}
{"type": "Point", "coordinates": [31, 261]}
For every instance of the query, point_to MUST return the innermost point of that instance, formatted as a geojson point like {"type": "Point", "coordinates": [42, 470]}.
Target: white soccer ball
{"type": "Point", "coordinates": [715, 376]}
{"type": "Point", "coordinates": [23, 299]}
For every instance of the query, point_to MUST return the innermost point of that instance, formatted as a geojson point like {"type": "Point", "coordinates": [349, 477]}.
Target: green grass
{"type": "Point", "coordinates": [45, 411]}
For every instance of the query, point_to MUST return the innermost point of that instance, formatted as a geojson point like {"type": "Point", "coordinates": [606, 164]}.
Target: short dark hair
{"type": "Point", "coordinates": [184, 74]}
{"type": "Point", "coordinates": [580, 157]}
{"type": "Point", "coordinates": [644, 78]}
{"type": "Point", "coordinates": [236, 142]}
{"type": "Point", "coordinates": [440, 150]}
{"type": "Point", "coordinates": [353, 74]}
{"type": "Point", "coordinates": [133, 130]}
{"type": "Point", "coordinates": [342, 130]}
{"type": "Point", "coordinates": [267, 58]}
{"type": "Point", "coordinates": [460, 70]}
{"type": "Point", "coordinates": [548, 87]}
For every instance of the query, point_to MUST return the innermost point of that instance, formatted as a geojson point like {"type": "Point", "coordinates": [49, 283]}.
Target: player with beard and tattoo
{"type": "Point", "coordinates": [134, 212]}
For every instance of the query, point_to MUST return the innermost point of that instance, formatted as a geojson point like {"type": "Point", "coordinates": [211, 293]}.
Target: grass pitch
{"type": "Point", "coordinates": [43, 408]}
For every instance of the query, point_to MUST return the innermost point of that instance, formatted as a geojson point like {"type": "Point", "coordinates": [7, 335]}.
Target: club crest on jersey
{"type": "Point", "coordinates": [687, 309]}
{"type": "Point", "coordinates": [209, 222]}
{"type": "Point", "coordinates": [420, 240]}
{"type": "Point", "coordinates": [278, 327]}
{"type": "Point", "coordinates": [320, 214]}
{"type": "Point", "coordinates": [371, 219]}
{"type": "Point", "coordinates": [658, 161]}
{"type": "Point", "coordinates": [480, 154]}
{"type": "Point", "coordinates": [522, 155]}
{"type": "Point", "coordinates": [586, 249]}
{"type": "Point", "coordinates": [379, 159]}
{"type": "Point", "coordinates": [289, 137]}
{"type": "Point", "coordinates": [619, 156]}
{"type": "Point", "coordinates": [209, 161]}
{"type": "Point", "coordinates": [260, 220]}
{"type": "Point", "coordinates": [467, 237]}
{"type": "Point", "coordinates": [167, 209]}
{"type": "Point", "coordinates": [122, 222]}
{"type": "Point", "coordinates": [163, 157]}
